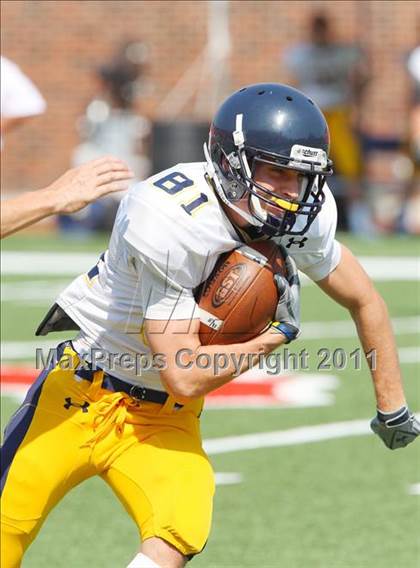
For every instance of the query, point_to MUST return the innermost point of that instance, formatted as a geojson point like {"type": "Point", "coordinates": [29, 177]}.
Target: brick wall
{"type": "Point", "coordinates": [58, 43]}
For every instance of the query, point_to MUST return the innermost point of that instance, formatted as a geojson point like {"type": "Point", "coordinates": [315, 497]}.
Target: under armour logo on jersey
{"type": "Point", "coordinates": [293, 241]}
{"type": "Point", "coordinates": [69, 403]}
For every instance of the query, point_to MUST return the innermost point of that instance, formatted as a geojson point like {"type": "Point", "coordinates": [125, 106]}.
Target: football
{"type": "Point", "coordinates": [239, 298]}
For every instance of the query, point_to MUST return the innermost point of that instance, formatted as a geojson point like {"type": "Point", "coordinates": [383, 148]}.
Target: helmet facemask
{"type": "Point", "coordinates": [278, 213]}
{"type": "Point", "coordinates": [274, 214]}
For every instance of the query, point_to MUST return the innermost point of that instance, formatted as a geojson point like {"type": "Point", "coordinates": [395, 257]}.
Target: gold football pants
{"type": "Point", "coordinates": [69, 429]}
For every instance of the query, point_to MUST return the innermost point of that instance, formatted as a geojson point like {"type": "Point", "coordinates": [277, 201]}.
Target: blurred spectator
{"type": "Point", "coordinates": [334, 75]}
{"type": "Point", "coordinates": [410, 217]}
{"type": "Point", "coordinates": [20, 99]}
{"type": "Point", "coordinates": [111, 125]}
{"type": "Point", "coordinates": [413, 66]}
{"type": "Point", "coordinates": [387, 170]}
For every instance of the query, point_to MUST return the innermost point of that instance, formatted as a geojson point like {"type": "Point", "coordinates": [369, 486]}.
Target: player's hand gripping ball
{"type": "Point", "coordinates": [239, 299]}
{"type": "Point", "coordinates": [287, 316]}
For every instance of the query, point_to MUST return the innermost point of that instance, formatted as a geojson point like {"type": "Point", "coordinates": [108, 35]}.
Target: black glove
{"type": "Point", "coordinates": [287, 316]}
{"type": "Point", "coordinates": [396, 429]}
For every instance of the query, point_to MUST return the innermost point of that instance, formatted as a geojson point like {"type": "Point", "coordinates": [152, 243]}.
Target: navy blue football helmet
{"type": "Point", "coordinates": [278, 125]}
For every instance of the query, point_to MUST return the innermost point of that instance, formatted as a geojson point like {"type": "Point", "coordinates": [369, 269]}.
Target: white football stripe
{"type": "Point", "coordinates": [409, 354]}
{"type": "Point", "coordinates": [13, 350]}
{"type": "Point", "coordinates": [346, 328]}
{"type": "Point", "coordinates": [392, 267]}
{"type": "Point", "coordinates": [71, 263]}
{"type": "Point", "coordinates": [227, 478]}
{"type": "Point", "coordinates": [414, 489]}
{"type": "Point", "coordinates": [292, 437]}
{"type": "Point", "coordinates": [32, 291]}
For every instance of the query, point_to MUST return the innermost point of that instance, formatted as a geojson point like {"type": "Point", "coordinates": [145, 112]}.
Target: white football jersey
{"type": "Point", "coordinates": [167, 236]}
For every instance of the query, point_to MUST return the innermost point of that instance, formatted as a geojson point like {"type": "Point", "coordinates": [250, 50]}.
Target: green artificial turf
{"type": "Point", "coordinates": [330, 504]}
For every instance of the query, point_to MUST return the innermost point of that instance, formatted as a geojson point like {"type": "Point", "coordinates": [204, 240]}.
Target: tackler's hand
{"type": "Point", "coordinates": [82, 185]}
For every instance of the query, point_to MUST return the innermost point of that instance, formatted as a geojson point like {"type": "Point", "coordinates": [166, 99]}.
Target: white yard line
{"type": "Point", "coordinates": [346, 328]}
{"type": "Point", "coordinates": [224, 478]}
{"type": "Point", "coordinates": [62, 263]}
{"type": "Point", "coordinates": [291, 437]}
{"type": "Point", "coordinates": [414, 489]}
{"type": "Point", "coordinates": [409, 354]}
{"type": "Point", "coordinates": [18, 262]}
{"type": "Point", "coordinates": [35, 292]}
{"type": "Point", "coordinates": [390, 268]}
{"type": "Point", "coordinates": [14, 350]}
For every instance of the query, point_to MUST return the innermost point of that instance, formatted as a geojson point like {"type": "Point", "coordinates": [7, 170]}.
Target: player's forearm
{"type": "Point", "coordinates": [72, 191]}
{"type": "Point", "coordinates": [193, 373]}
{"type": "Point", "coordinates": [350, 286]}
{"type": "Point", "coordinates": [19, 212]}
{"type": "Point", "coordinates": [377, 338]}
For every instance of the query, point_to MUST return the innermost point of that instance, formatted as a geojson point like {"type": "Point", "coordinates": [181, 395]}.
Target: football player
{"type": "Point", "coordinates": [122, 402]}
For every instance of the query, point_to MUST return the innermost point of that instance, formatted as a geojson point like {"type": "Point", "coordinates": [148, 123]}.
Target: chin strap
{"type": "Point", "coordinates": [211, 172]}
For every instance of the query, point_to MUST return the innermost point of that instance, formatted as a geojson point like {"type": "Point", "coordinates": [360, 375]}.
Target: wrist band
{"type": "Point", "coordinates": [395, 417]}
{"type": "Point", "coordinates": [285, 330]}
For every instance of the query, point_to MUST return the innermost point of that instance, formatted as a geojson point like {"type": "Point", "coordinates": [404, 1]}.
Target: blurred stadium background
{"type": "Point", "coordinates": [300, 497]}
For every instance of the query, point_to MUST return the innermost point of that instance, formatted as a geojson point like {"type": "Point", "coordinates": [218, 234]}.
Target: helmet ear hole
{"type": "Point", "coordinates": [224, 164]}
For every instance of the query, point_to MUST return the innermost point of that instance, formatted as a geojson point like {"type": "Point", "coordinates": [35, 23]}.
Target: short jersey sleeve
{"type": "Point", "coordinates": [169, 260]}
{"type": "Point", "coordinates": [156, 231]}
{"type": "Point", "coordinates": [317, 252]}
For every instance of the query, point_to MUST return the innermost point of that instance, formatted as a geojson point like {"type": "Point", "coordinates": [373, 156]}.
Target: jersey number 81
{"type": "Point", "coordinates": [174, 183]}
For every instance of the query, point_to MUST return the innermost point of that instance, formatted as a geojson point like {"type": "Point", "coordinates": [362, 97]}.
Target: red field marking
{"type": "Point", "coordinates": [256, 387]}
{"type": "Point", "coordinates": [21, 375]}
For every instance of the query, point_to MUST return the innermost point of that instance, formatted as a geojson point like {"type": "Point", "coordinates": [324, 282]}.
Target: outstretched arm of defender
{"type": "Point", "coordinates": [72, 191]}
